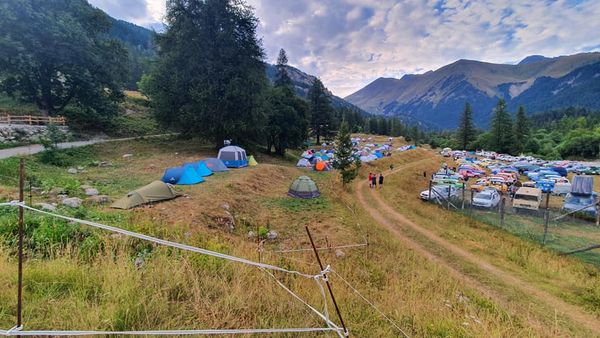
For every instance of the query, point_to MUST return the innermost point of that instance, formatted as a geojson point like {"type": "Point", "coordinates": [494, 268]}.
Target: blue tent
{"type": "Point", "coordinates": [200, 168]}
{"type": "Point", "coordinates": [378, 154]}
{"type": "Point", "coordinates": [185, 175]}
{"type": "Point", "coordinates": [215, 165]}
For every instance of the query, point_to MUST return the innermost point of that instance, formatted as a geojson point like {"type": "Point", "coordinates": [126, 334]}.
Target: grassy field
{"type": "Point", "coordinates": [79, 278]}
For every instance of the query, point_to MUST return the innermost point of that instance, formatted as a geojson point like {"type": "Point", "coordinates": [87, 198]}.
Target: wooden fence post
{"type": "Point", "coordinates": [546, 218]}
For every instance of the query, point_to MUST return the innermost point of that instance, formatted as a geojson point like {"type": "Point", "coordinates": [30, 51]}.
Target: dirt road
{"type": "Point", "coordinates": [395, 222]}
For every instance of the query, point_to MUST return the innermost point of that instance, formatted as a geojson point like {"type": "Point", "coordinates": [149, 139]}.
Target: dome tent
{"type": "Point", "coordinates": [233, 157]}
{"type": "Point", "coordinates": [185, 175]}
{"type": "Point", "coordinates": [303, 163]}
{"type": "Point", "coordinates": [200, 168]}
{"type": "Point", "coordinates": [322, 166]}
{"type": "Point", "coordinates": [215, 165]}
{"type": "Point", "coordinates": [304, 187]}
{"type": "Point", "coordinates": [251, 161]}
{"type": "Point", "coordinates": [153, 192]}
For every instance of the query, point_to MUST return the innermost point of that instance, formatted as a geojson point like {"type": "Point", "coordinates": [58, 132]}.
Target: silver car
{"type": "Point", "coordinates": [488, 198]}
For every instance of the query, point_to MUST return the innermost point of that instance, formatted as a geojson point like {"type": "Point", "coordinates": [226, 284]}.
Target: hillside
{"type": "Point", "coordinates": [436, 98]}
{"type": "Point", "coordinates": [302, 83]}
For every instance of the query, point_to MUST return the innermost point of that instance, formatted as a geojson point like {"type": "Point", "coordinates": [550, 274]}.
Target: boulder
{"type": "Point", "coordinates": [56, 191]}
{"type": "Point", "coordinates": [91, 192]}
{"type": "Point", "coordinates": [251, 234]}
{"type": "Point", "coordinates": [272, 235]}
{"type": "Point", "coordinates": [127, 155]}
{"type": "Point", "coordinates": [46, 206]}
{"type": "Point", "coordinates": [72, 171]}
{"type": "Point", "coordinates": [72, 202]}
{"type": "Point", "coordinates": [98, 200]}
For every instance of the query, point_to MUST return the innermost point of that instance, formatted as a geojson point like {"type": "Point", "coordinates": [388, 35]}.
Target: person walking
{"type": "Point", "coordinates": [380, 180]}
{"type": "Point", "coordinates": [374, 181]}
{"type": "Point", "coordinates": [370, 180]}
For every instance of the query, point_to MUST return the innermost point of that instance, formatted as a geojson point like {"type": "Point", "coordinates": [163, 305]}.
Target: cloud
{"type": "Point", "coordinates": [349, 43]}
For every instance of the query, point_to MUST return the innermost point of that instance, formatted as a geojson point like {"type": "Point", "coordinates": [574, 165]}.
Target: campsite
{"type": "Point", "coordinates": [259, 168]}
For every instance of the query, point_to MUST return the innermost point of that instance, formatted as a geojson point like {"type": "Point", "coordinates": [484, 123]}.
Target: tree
{"type": "Point", "coordinates": [320, 110]}
{"type": "Point", "coordinates": [345, 162]}
{"type": "Point", "coordinates": [209, 79]}
{"type": "Point", "coordinates": [287, 124]}
{"type": "Point", "coordinates": [282, 78]}
{"type": "Point", "coordinates": [502, 130]}
{"type": "Point", "coordinates": [466, 133]}
{"type": "Point", "coordinates": [57, 53]}
{"type": "Point", "coordinates": [521, 131]}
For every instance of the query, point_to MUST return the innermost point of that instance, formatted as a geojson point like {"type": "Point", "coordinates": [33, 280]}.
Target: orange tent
{"type": "Point", "coordinates": [322, 166]}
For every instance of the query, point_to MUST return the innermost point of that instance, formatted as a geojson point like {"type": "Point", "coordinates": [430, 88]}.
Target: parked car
{"type": "Point", "coordinates": [527, 199]}
{"type": "Point", "coordinates": [561, 188]}
{"type": "Point", "coordinates": [439, 192]}
{"type": "Point", "coordinates": [446, 152]}
{"type": "Point", "coordinates": [591, 171]}
{"type": "Point", "coordinates": [545, 186]}
{"type": "Point", "coordinates": [488, 198]}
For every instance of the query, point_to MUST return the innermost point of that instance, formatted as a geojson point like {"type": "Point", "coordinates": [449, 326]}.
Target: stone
{"type": "Point", "coordinates": [72, 202]}
{"type": "Point", "coordinates": [105, 164]}
{"type": "Point", "coordinates": [72, 171]}
{"type": "Point", "coordinates": [85, 186]}
{"type": "Point", "coordinates": [91, 192]}
{"type": "Point", "coordinates": [127, 155]}
{"type": "Point", "coordinates": [80, 168]}
{"type": "Point", "coordinates": [251, 234]}
{"type": "Point", "coordinates": [56, 191]}
{"type": "Point", "coordinates": [98, 200]}
{"type": "Point", "coordinates": [46, 206]}
{"type": "Point", "coordinates": [139, 262]}
{"type": "Point", "coordinates": [339, 253]}
{"type": "Point", "coordinates": [272, 235]}
{"type": "Point", "coordinates": [62, 196]}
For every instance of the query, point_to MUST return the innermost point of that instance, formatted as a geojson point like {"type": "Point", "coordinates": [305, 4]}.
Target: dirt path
{"type": "Point", "coordinates": [392, 220]}
{"type": "Point", "coordinates": [36, 148]}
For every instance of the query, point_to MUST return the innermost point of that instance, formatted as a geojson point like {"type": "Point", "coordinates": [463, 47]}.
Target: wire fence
{"type": "Point", "coordinates": [546, 221]}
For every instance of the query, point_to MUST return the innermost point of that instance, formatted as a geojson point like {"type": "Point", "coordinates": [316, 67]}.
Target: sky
{"type": "Point", "coordinates": [350, 43]}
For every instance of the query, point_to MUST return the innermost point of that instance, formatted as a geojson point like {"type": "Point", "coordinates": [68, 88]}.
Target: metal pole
{"type": "Point", "coordinates": [546, 217]}
{"type": "Point", "coordinates": [430, 183]}
{"type": "Point", "coordinates": [449, 191]}
{"type": "Point", "coordinates": [337, 309]}
{"type": "Point", "coordinates": [21, 216]}
{"type": "Point", "coordinates": [502, 208]}
{"type": "Point", "coordinates": [463, 196]}
{"type": "Point", "coordinates": [30, 191]}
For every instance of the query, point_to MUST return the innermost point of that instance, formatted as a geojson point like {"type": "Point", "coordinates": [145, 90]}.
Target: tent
{"type": "Point", "coordinates": [215, 165]}
{"type": "Point", "coordinates": [200, 168]}
{"type": "Point", "coordinates": [304, 187]}
{"type": "Point", "coordinates": [233, 157]}
{"type": "Point", "coordinates": [153, 192]}
{"type": "Point", "coordinates": [251, 161]}
{"type": "Point", "coordinates": [185, 175]}
{"type": "Point", "coordinates": [322, 166]}
{"type": "Point", "coordinates": [303, 163]}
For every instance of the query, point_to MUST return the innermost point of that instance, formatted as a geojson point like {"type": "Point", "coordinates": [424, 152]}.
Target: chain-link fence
{"type": "Point", "coordinates": [546, 222]}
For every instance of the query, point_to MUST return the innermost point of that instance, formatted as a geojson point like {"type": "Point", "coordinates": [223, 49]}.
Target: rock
{"type": "Point", "coordinates": [80, 168]}
{"type": "Point", "coordinates": [98, 200]}
{"type": "Point", "coordinates": [251, 234]}
{"type": "Point", "coordinates": [139, 262]}
{"type": "Point", "coordinates": [96, 163]}
{"type": "Point", "coordinates": [91, 192]}
{"type": "Point", "coordinates": [272, 235]}
{"type": "Point", "coordinates": [62, 196]}
{"type": "Point", "coordinates": [56, 191]}
{"type": "Point", "coordinates": [72, 202]}
{"type": "Point", "coordinates": [46, 206]}
{"type": "Point", "coordinates": [339, 253]}
{"type": "Point", "coordinates": [127, 155]}
{"type": "Point", "coordinates": [85, 186]}
{"type": "Point", "coordinates": [72, 171]}
{"type": "Point", "coordinates": [104, 164]}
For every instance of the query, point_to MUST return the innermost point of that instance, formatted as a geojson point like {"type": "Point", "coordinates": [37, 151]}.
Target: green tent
{"type": "Point", "coordinates": [304, 187]}
{"type": "Point", "coordinates": [154, 192]}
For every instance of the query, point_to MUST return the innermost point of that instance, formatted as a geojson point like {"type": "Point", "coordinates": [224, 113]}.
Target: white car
{"type": "Point", "coordinates": [439, 192]}
{"type": "Point", "coordinates": [488, 198]}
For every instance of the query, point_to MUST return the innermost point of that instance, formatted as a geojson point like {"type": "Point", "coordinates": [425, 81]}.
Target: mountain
{"type": "Point", "coordinates": [302, 83]}
{"type": "Point", "coordinates": [437, 98]}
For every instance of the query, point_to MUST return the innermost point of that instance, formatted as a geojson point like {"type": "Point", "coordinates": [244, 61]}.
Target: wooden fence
{"type": "Point", "coordinates": [32, 120]}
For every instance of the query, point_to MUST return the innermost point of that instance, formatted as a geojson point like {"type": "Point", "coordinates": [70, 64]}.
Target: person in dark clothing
{"type": "Point", "coordinates": [381, 180]}
{"type": "Point", "coordinates": [374, 181]}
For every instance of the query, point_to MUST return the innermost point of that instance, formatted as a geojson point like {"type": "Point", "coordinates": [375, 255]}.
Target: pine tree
{"type": "Point", "coordinates": [345, 161]}
{"type": "Point", "coordinates": [320, 110]}
{"type": "Point", "coordinates": [521, 131]}
{"type": "Point", "coordinates": [282, 78]}
{"type": "Point", "coordinates": [502, 129]}
{"type": "Point", "coordinates": [466, 133]}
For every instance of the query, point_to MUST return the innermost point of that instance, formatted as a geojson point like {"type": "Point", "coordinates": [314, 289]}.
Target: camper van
{"type": "Point", "coordinates": [527, 199]}
{"type": "Point", "coordinates": [446, 152]}
{"type": "Point", "coordinates": [582, 197]}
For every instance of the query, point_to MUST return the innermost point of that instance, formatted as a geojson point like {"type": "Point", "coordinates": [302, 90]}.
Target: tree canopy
{"type": "Point", "coordinates": [321, 121]}
{"type": "Point", "coordinates": [466, 129]}
{"type": "Point", "coordinates": [56, 53]}
{"type": "Point", "coordinates": [209, 79]}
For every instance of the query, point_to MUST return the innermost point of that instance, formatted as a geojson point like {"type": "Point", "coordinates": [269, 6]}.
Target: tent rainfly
{"type": "Point", "coordinates": [185, 175]}
{"type": "Point", "coordinates": [200, 168]}
{"type": "Point", "coordinates": [215, 165]}
{"type": "Point", "coordinates": [154, 192]}
{"type": "Point", "coordinates": [233, 157]}
{"type": "Point", "coordinates": [304, 187]}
